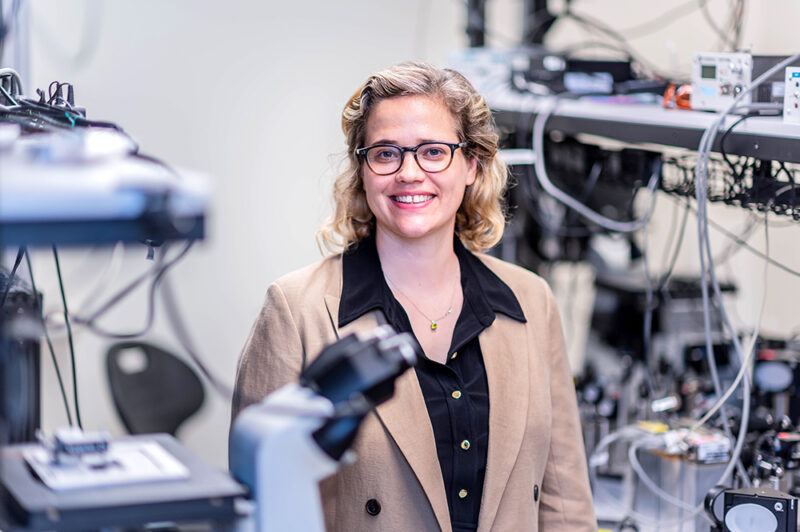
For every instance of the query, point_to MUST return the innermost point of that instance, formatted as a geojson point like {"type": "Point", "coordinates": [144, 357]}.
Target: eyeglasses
{"type": "Point", "coordinates": [432, 157]}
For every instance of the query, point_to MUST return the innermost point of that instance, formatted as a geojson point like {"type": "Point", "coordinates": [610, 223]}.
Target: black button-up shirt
{"type": "Point", "coordinates": [456, 393]}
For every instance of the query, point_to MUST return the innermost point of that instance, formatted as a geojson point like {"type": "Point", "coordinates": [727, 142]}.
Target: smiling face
{"type": "Point", "coordinates": [412, 204]}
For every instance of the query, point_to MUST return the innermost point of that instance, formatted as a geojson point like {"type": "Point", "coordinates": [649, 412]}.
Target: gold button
{"type": "Point", "coordinates": [456, 394]}
{"type": "Point", "coordinates": [465, 445]}
{"type": "Point", "coordinates": [462, 494]}
{"type": "Point", "coordinates": [454, 355]}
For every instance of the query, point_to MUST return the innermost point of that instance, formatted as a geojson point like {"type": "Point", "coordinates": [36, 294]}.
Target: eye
{"type": "Point", "coordinates": [383, 154]}
{"type": "Point", "coordinates": [434, 152]}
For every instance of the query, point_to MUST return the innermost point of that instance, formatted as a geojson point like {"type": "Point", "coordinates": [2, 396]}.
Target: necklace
{"type": "Point", "coordinates": [434, 324]}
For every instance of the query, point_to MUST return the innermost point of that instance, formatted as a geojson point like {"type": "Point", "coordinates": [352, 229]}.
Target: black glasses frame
{"type": "Point", "coordinates": [362, 152]}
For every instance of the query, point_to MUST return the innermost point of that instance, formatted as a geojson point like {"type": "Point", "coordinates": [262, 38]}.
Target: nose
{"type": "Point", "coordinates": [410, 171]}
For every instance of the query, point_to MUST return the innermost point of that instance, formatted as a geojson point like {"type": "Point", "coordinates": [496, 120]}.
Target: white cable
{"type": "Point", "coordinates": [704, 151]}
{"type": "Point", "coordinates": [742, 371]}
{"type": "Point", "coordinates": [745, 415]}
{"type": "Point", "coordinates": [750, 351]}
{"type": "Point", "coordinates": [542, 116]}
{"type": "Point", "coordinates": [517, 157]}
{"type": "Point", "coordinates": [639, 470]}
{"type": "Point", "coordinates": [701, 179]}
{"type": "Point", "coordinates": [637, 467]}
{"type": "Point", "coordinates": [705, 252]}
{"type": "Point", "coordinates": [734, 462]}
{"type": "Point", "coordinates": [632, 432]}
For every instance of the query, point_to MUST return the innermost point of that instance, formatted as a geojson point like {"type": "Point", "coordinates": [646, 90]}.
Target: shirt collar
{"type": "Point", "coordinates": [364, 288]}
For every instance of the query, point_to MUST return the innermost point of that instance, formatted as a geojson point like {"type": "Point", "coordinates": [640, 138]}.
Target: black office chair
{"type": "Point", "coordinates": [153, 390]}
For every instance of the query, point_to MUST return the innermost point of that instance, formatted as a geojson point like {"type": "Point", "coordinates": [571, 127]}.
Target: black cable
{"type": "Point", "coordinates": [792, 200]}
{"type": "Point", "coordinates": [69, 339]}
{"type": "Point", "coordinates": [26, 117]}
{"type": "Point", "coordinates": [51, 92]}
{"type": "Point", "coordinates": [151, 302]}
{"type": "Point", "coordinates": [588, 188]}
{"type": "Point", "coordinates": [725, 136]}
{"type": "Point", "coordinates": [721, 229]}
{"type": "Point", "coordinates": [157, 161]}
{"type": "Point", "coordinates": [58, 116]}
{"type": "Point", "coordinates": [738, 174]}
{"type": "Point", "coordinates": [38, 106]}
{"type": "Point", "coordinates": [81, 121]}
{"type": "Point", "coordinates": [530, 186]}
{"type": "Point", "coordinates": [120, 295]}
{"type": "Point", "coordinates": [17, 261]}
{"type": "Point", "coordinates": [47, 338]}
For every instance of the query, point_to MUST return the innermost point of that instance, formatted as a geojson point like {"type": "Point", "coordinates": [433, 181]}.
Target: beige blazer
{"type": "Point", "coordinates": [536, 476]}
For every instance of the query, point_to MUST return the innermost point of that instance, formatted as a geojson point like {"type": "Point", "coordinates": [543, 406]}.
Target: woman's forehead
{"type": "Point", "coordinates": [419, 118]}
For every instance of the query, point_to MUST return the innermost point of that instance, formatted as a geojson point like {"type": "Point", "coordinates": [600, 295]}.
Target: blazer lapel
{"type": "Point", "coordinates": [505, 351]}
{"type": "Point", "coordinates": [405, 417]}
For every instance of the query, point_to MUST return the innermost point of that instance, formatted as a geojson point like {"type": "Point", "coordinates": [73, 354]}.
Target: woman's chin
{"type": "Point", "coordinates": [417, 233]}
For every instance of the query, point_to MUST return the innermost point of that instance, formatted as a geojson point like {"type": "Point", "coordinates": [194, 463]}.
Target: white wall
{"type": "Point", "coordinates": [250, 93]}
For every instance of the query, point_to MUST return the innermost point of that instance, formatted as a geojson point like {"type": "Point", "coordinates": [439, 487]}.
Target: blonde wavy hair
{"type": "Point", "coordinates": [480, 219]}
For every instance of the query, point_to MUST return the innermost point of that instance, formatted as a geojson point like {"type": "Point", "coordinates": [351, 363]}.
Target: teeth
{"type": "Point", "coordinates": [417, 198]}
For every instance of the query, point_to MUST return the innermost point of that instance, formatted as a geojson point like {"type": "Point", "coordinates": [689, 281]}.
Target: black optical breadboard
{"type": "Point", "coordinates": [207, 495]}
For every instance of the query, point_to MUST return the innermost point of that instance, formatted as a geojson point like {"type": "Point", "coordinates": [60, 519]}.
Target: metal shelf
{"type": "Point", "coordinates": [92, 232]}
{"type": "Point", "coordinates": [765, 138]}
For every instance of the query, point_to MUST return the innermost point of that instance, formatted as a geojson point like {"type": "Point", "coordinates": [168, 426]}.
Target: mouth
{"type": "Point", "coordinates": [414, 199]}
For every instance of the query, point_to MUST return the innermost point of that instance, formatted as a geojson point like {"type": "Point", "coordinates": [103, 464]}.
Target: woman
{"type": "Point", "coordinates": [484, 433]}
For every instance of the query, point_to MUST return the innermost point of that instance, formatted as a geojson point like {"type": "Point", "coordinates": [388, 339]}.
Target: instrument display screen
{"type": "Point", "coordinates": [708, 71]}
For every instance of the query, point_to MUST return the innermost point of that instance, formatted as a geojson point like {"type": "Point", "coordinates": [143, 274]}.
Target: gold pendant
{"type": "Point", "coordinates": [433, 325]}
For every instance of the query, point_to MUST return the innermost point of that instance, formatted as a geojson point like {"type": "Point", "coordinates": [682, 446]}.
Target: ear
{"type": "Point", "coordinates": [472, 170]}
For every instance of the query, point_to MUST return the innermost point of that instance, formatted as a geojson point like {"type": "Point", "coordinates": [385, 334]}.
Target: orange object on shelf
{"type": "Point", "coordinates": [678, 97]}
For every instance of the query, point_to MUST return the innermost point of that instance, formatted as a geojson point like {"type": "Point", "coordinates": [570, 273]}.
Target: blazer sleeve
{"type": "Point", "coordinates": [566, 501]}
{"type": "Point", "coordinates": [273, 355]}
